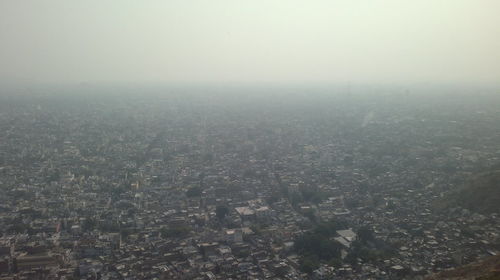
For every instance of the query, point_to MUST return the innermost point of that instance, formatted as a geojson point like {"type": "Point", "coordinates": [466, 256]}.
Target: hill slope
{"type": "Point", "coordinates": [487, 269]}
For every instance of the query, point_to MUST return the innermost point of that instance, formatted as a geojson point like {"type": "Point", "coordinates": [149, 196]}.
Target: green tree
{"type": "Point", "coordinates": [366, 234]}
{"type": "Point", "coordinates": [309, 263]}
{"type": "Point", "coordinates": [317, 245]}
{"type": "Point", "coordinates": [174, 232]}
{"type": "Point", "coordinates": [221, 211]}
{"type": "Point", "coordinates": [193, 192]}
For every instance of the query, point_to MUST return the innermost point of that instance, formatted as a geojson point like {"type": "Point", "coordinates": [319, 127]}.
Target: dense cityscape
{"type": "Point", "coordinates": [222, 186]}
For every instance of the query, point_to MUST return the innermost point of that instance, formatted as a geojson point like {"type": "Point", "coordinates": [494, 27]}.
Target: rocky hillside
{"type": "Point", "coordinates": [487, 269]}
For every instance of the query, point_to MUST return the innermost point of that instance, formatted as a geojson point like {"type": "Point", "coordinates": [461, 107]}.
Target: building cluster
{"type": "Point", "coordinates": [132, 190]}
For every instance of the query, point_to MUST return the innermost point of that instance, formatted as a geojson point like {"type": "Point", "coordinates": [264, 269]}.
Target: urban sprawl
{"type": "Point", "coordinates": [193, 186]}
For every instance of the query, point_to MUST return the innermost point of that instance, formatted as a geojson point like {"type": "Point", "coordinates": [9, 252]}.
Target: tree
{"type": "Point", "coordinates": [318, 245]}
{"type": "Point", "coordinates": [174, 232]}
{"type": "Point", "coordinates": [311, 216]}
{"type": "Point", "coordinates": [221, 211]}
{"type": "Point", "coordinates": [366, 234]}
{"type": "Point", "coordinates": [89, 224]}
{"type": "Point", "coordinates": [193, 192]}
{"type": "Point", "coordinates": [309, 263]}
{"type": "Point", "coordinates": [327, 229]}
{"type": "Point", "coordinates": [19, 228]}
{"type": "Point", "coordinates": [272, 199]}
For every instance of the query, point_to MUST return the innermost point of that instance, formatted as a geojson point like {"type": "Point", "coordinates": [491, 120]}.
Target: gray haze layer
{"type": "Point", "coordinates": [271, 41]}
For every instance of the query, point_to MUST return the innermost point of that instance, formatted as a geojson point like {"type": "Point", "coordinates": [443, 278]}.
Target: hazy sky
{"type": "Point", "coordinates": [142, 41]}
